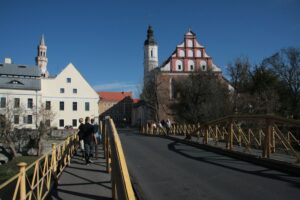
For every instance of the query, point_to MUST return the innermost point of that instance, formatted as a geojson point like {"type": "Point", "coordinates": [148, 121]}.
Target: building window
{"type": "Point", "coordinates": [61, 123]}
{"type": "Point", "coordinates": [179, 67]}
{"type": "Point", "coordinates": [87, 106]}
{"type": "Point", "coordinates": [48, 105]}
{"type": "Point", "coordinates": [69, 80]}
{"type": "Point", "coordinates": [192, 67]}
{"type": "Point", "coordinates": [29, 119]}
{"type": "Point", "coordinates": [74, 91]}
{"type": "Point", "coordinates": [48, 122]}
{"type": "Point", "coordinates": [16, 119]}
{"type": "Point", "coordinates": [62, 90]}
{"type": "Point", "coordinates": [3, 102]}
{"type": "Point", "coordinates": [17, 103]}
{"type": "Point", "coordinates": [61, 105]}
{"type": "Point", "coordinates": [29, 103]}
{"type": "Point", "coordinates": [74, 106]}
{"type": "Point", "coordinates": [74, 122]}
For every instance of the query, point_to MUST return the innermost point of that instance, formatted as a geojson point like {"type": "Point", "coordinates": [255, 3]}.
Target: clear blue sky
{"type": "Point", "coordinates": [104, 38]}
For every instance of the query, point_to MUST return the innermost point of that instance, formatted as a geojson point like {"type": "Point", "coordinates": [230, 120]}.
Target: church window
{"type": "Point", "coordinates": [151, 53]}
{"type": "Point", "coordinates": [74, 90]}
{"type": "Point", "coordinates": [179, 65]}
{"type": "Point", "coordinates": [190, 43]}
{"type": "Point", "coordinates": [181, 53]}
{"type": "Point", "coordinates": [190, 53]}
{"type": "Point", "coordinates": [203, 65]}
{"type": "Point", "coordinates": [198, 53]}
{"type": "Point", "coordinates": [191, 65]}
{"type": "Point", "coordinates": [62, 90]}
{"type": "Point", "coordinates": [69, 80]}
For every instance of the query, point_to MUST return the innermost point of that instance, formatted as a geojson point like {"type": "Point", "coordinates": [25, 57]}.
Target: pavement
{"type": "Point", "coordinates": [161, 168]}
{"type": "Point", "coordinates": [84, 182]}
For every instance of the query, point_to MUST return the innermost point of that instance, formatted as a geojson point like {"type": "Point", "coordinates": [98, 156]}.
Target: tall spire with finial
{"type": "Point", "coordinates": [41, 59]}
{"type": "Point", "coordinates": [150, 53]}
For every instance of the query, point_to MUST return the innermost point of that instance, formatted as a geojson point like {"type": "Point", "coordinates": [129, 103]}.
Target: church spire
{"type": "Point", "coordinates": [150, 37]}
{"type": "Point", "coordinates": [42, 42]}
{"type": "Point", "coordinates": [41, 59]}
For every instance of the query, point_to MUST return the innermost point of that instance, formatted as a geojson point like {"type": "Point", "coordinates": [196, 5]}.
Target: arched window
{"type": "Point", "coordinates": [198, 53]}
{"type": "Point", "coordinates": [190, 43]}
{"type": "Point", "coordinates": [151, 53]}
{"type": "Point", "coordinates": [179, 65]}
{"type": "Point", "coordinates": [181, 53]}
{"type": "Point", "coordinates": [203, 65]}
{"type": "Point", "coordinates": [190, 53]}
{"type": "Point", "coordinates": [191, 65]}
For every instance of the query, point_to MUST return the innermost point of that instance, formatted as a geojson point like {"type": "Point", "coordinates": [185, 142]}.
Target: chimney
{"type": "Point", "coordinates": [7, 61]}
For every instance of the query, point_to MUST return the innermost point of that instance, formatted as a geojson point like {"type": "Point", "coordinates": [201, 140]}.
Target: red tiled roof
{"type": "Point", "coordinates": [114, 96]}
{"type": "Point", "coordinates": [136, 100]}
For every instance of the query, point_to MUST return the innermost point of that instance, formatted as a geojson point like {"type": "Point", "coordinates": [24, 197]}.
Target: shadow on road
{"type": "Point", "coordinates": [230, 162]}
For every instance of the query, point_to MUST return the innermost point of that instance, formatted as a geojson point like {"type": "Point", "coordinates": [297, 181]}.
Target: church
{"type": "Point", "coordinates": [188, 57]}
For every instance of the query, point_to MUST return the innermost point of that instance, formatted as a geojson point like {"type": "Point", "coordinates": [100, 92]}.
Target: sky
{"type": "Point", "coordinates": [104, 38]}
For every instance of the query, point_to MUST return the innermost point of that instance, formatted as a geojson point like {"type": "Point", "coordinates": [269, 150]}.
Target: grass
{"type": "Point", "coordinates": [10, 169]}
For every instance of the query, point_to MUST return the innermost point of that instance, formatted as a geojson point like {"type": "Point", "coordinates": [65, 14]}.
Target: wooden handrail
{"type": "Point", "coordinates": [116, 163]}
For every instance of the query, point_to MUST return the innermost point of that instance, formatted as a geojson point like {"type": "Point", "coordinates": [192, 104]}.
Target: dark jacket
{"type": "Point", "coordinates": [88, 132]}
{"type": "Point", "coordinates": [80, 132]}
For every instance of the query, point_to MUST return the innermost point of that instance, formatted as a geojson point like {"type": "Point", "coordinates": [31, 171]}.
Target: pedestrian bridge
{"type": "Point", "coordinates": [237, 157]}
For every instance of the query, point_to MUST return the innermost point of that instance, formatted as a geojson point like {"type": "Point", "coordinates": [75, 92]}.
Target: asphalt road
{"type": "Point", "coordinates": [163, 169]}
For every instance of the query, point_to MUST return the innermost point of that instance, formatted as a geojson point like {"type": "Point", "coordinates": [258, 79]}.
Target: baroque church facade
{"type": "Point", "coordinates": [187, 58]}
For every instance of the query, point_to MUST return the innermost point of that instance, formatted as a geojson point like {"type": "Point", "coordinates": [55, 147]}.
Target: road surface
{"type": "Point", "coordinates": [164, 169]}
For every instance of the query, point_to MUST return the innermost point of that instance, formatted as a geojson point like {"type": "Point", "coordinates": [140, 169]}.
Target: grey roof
{"type": "Point", "coordinates": [19, 70]}
{"type": "Point", "coordinates": [20, 83]}
{"type": "Point", "coordinates": [16, 76]}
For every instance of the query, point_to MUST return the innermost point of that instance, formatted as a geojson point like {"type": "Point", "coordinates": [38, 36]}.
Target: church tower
{"type": "Point", "coordinates": [150, 53]}
{"type": "Point", "coordinates": [41, 59]}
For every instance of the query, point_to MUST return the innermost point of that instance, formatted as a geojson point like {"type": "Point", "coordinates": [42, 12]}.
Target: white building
{"type": "Point", "coordinates": [70, 97]}
{"type": "Point", "coordinates": [26, 88]}
{"type": "Point", "coordinates": [20, 93]}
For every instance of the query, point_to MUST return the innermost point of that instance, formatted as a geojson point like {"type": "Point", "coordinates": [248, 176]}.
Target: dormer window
{"type": "Point", "coordinates": [15, 82]}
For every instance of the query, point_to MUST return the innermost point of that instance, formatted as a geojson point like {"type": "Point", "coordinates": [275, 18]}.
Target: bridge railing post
{"type": "Point", "coordinates": [267, 140]}
{"type": "Point", "coordinates": [22, 178]}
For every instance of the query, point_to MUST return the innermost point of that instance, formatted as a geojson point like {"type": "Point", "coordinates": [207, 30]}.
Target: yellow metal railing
{"type": "Point", "coordinates": [263, 132]}
{"type": "Point", "coordinates": [36, 180]}
{"type": "Point", "coordinates": [116, 163]}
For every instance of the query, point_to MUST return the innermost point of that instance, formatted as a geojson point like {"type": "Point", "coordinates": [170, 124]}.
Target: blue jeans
{"type": "Point", "coordinates": [87, 151]}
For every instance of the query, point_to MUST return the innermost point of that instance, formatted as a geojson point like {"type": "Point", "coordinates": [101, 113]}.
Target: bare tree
{"type": "Point", "coordinates": [150, 93]}
{"type": "Point", "coordinates": [239, 73]}
{"type": "Point", "coordinates": [44, 117]}
{"type": "Point", "coordinates": [286, 65]}
{"type": "Point", "coordinates": [9, 120]}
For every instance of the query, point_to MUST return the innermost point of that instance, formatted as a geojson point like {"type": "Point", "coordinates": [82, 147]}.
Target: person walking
{"type": "Point", "coordinates": [95, 138]}
{"type": "Point", "coordinates": [80, 135]}
{"type": "Point", "coordinates": [88, 137]}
